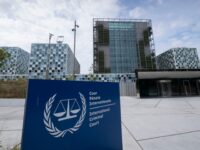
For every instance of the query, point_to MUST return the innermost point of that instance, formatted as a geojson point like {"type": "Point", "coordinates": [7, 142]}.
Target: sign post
{"type": "Point", "coordinates": [72, 115]}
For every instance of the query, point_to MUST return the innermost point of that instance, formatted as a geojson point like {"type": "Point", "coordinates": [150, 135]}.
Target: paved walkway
{"type": "Point", "coordinates": [11, 120]}
{"type": "Point", "coordinates": [161, 124]}
{"type": "Point", "coordinates": [147, 124]}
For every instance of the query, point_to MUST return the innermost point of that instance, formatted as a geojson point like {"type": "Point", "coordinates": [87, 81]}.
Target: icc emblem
{"type": "Point", "coordinates": [65, 110]}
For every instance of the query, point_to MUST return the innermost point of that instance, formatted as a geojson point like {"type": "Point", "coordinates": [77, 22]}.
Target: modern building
{"type": "Point", "coordinates": [122, 45]}
{"type": "Point", "coordinates": [178, 58]}
{"type": "Point", "coordinates": [168, 83]}
{"type": "Point", "coordinates": [178, 74]}
{"type": "Point", "coordinates": [52, 61]}
{"type": "Point", "coordinates": [16, 65]}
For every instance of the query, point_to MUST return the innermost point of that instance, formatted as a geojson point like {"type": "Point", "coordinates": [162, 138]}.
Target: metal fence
{"type": "Point", "coordinates": [127, 88]}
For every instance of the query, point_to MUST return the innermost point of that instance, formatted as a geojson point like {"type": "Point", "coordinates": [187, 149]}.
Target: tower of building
{"type": "Point", "coordinates": [58, 58]}
{"type": "Point", "coordinates": [121, 46]}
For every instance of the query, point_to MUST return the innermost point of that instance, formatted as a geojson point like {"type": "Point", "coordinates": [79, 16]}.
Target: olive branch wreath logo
{"type": "Point", "coordinates": [50, 127]}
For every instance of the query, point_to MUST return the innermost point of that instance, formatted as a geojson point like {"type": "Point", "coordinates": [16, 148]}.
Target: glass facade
{"type": "Point", "coordinates": [169, 87]}
{"type": "Point", "coordinates": [168, 83]}
{"type": "Point", "coordinates": [121, 46]}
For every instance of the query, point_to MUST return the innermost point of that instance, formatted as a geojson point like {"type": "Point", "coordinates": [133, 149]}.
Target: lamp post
{"type": "Point", "coordinates": [48, 51]}
{"type": "Point", "coordinates": [74, 30]}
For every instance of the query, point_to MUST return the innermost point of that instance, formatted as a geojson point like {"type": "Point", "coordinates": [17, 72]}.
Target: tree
{"type": "Point", "coordinates": [3, 56]}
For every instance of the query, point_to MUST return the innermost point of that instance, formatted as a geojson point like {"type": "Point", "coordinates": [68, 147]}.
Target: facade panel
{"type": "Point", "coordinates": [178, 58]}
{"type": "Point", "coordinates": [59, 58]}
{"type": "Point", "coordinates": [16, 64]}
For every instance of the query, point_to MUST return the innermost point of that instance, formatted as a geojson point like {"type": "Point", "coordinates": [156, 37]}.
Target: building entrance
{"type": "Point", "coordinates": [198, 86]}
{"type": "Point", "coordinates": [165, 87]}
{"type": "Point", "coordinates": [161, 83]}
{"type": "Point", "coordinates": [187, 87]}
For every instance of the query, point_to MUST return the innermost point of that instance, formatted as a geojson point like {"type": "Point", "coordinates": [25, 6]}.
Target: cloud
{"type": "Point", "coordinates": [196, 27]}
{"type": "Point", "coordinates": [160, 29]}
{"type": "Point", "coordinates": [179, 23]}
{"type": "Point", "coordinates": [173, 26]}
{"type": "Point", "coordinates": [30, 21]}
{"type": "Point", "coordinates": [137, 12]}
{"type": "Point", "coordinates": [156, 1]}
{"type": "Point", "coordinates": [160, 1]}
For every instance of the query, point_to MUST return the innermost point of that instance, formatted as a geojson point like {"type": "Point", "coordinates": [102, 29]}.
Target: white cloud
{"type": "Point", "coordinates": [156, 1]}
{"type": "Point", "coordinates": [29, 21]}
{"type": "Point", "coordinates": [25, 22]}
{"type": "Point", "coordinates": [159, 30]}
{"type": "Point", "coordinates": [179, 23]}
{"type": "Point", "coordinates": [174, 24]}
{"type": "Point", "coordinates": [137, 12]}
{"type": "Point", "coordinates": [196, 27]}
{"type": "Point", "coordinates": [160, 1]}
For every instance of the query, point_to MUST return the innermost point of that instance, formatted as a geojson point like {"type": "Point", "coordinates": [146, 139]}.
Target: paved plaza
{"type": "Point", "coordinates": [147, 124]}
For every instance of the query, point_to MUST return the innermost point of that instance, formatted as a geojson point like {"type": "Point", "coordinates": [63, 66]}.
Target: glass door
{"type": "Point", "coordinates": [165, 88]}
{"type": "Point", "coordinates": [198, 86]}
{"type": "Point", "coordinates": [187, 88]}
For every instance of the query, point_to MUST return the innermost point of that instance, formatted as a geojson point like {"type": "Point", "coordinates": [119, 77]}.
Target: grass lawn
{"type": "Point", "coordinates": [13, 89]}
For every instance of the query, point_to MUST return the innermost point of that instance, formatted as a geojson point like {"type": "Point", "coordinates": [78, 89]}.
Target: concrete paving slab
{"type": "Point", "coordinates": [11, 113]}
{"type": "Point", "coordinates": [176, 98]}
{"type": "Point", "coordinates": [11, 125]}
{"type": "Point", "coordinates": [195, 111]}
{"type": "Point", "coordinates": [194, 103]}
{"type": "Point", "coordinates": [130, 101]}
{"type": "Point", "coordinates": [148, 124]}
{"type": "Point", "coordinates": [189, 141]}
{"type": "Point", "coordinates": [12, 102]}
{"type": "Point", "coordinates": [5, 111]}
{"type": "Point", "coordinates": [174, 104]}
{"type": "Point", "coordinates": [153, 111]}
{"type": "Point", "coordinates": [144, 127]}
{"type": "Point", "coordinates": [129, 142]}
{"type": "Point", "coordinates": [149, 102]}
{"type": "Point", "coordinates": [10, 138]}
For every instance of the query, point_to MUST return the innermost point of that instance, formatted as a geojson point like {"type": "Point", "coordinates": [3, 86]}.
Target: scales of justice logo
{"type": "Point", "coordinates": [65, 110]}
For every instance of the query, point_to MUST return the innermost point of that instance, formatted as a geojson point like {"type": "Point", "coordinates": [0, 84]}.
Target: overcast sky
{"type": "Point", "coordinates": [176, 23]}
